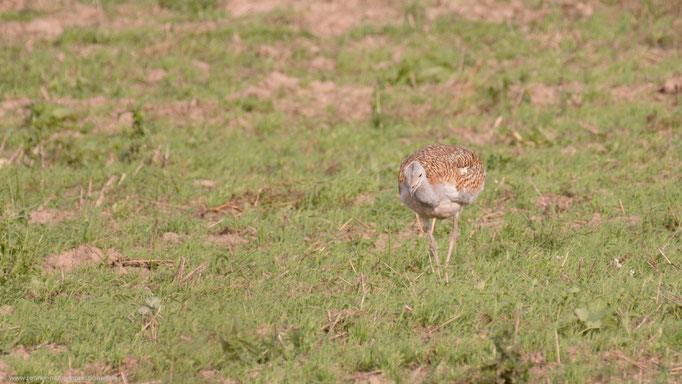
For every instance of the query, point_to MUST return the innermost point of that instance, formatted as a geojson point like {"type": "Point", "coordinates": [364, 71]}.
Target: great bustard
{"type": "Point", "coordinates": [436, 182]}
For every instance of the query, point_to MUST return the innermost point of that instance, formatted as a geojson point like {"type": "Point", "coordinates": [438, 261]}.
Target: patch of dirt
{"type": "Point", "coordinates": [576, 9]}
{"type": "Point", "coordinates": [88, 369]}
{"type": "Point", "coordinates": [322, 64]}
{"type": "Point", "coordinates": [204, 183]}
{"type": "Point", "coordinates": [24, 352]}
{"type": "Point", "coordinates": [202, 66]}
{"type": "Point", "coordinates": [49, 215]}
{"type": "Point", "coordinates": [6, 310]}
{"type": "Point", "coordinates": [73, 258]}
{"type": "Point", "coordinates": [485, 10]}
{"type": "Point", "coordinates": [50, 27]}
{"type": "Point", "coordinates": [5, 372]}
{"type": "Point", "coordinates": [207, 373]}
{"type": "Point", "coordinates": [596, 219]}
{"type": "Point", "coordinates": [85, 50]}
{"type": "Point", "coordinates": [628, 367]}
{"type": "Point", "coordinates": [115, 260]}
{"type": "Point", "coordinates": [550, 202]}
{"type": "Point", "coordinates": [264, 197]}
{"type": "Point", "coordinates": [186, 111]}
{"type": "Point", "coordinates": [129, 367]}
{"type": "Point", "coordinates": [117, 111]}
{"type": "Point", "coordinates": [241, 8]}
{"type": "Point", "coordinates": [20, 352]}
{"type": "Point", "coordinates": [276, 52]}
{"type": "Point", "coordinates": [13, 105]}
{"type": "Point", "coordinates": [350, 101]}
{"type": "Point", "coordinates": [672, 85]}
{"type": "Point", "coordinates": [171, 238]}
{"type": "Point", "coordinates": [543, 95]}
{"type": "Point", "coordinates": [636, 93]}
{"type": "Point", "coordinates": [364, 198]}
{"type": "Point", "coordinates": [12, 5]}
{"type": "Point", "coordinates": [322, 18]}
{"type": "Point", "coordinates": [232, 237]}
{"type": "Point", "coordinates": [369, 378]}
{"type": "Point", "coordinates": [70, 13]}
{"type": "Point", "coordinates": [631, 219]}
{"type": "Point", "coordinates": [268, 87]}
{"type": "Point", "coordinates": [155, 75]}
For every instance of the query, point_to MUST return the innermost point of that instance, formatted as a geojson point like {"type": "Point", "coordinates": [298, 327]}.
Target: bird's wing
{"type": "Point", "coordinates": [452, 165]}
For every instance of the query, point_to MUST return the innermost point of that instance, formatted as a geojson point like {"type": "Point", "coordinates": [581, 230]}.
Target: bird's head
{"type": "Point", "coordinates": [415, 175]}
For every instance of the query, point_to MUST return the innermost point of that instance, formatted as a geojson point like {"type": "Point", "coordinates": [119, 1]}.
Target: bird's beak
{"type": "Point", "coordinates": [414, 187]}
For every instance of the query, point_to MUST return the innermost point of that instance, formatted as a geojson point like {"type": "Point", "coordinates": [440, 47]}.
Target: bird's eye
{"type": "Point", "coordinates": [420, 175]}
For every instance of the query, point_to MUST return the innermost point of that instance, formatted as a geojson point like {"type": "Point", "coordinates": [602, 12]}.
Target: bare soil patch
{"type": "Point", "coordinates": [155, 75]}
{"type": "Point", "coordinates": [73, 258]}
{"type": "Point", "coordinates": [171, 238]}
{"type": "Point", "coordinates": [70, 13]}
{"type": "Point", "coordinates": [322, 64]}
{"type": "Point", "coordinates": [75, 15]}
{"type": "Point", "coordinates": [550, 202]}
{"type": "Point", "coordinates": [543, 95]}
{"type": "Point", "coordinates": [268, 197]}
{"type": "Point", "coordinates": [21, 352]}
{"type": "Point", "coordinates": [350, 101]}
{"type": "Point", "coordinates": [115, 260]}
{"type": "Point", "coordinates": [88, 369]}
{"type": "Point", "coordinates": [232, 237]}
{"type": "Point", "coordinates": [117, 113]}
{"type": "Point", "coordinates": [207, 373]}
{"type": "Point", "coordinates": [638, 92]}
{"type": "Point", "coordinates": [364, 198]}
{"type": "Point", "coordinates": [13, 105]}
{"type": "Point", "coordinates": [596, 219]}
{"type": "Point", "coordinates": [129, 367]}
{"type": "Point", "coordinates": [12, 5]}
{"type": "Point", "coordinates": [369, 378]}
{"type": "Point", "coordinates": [672, 85]}
{"type": "Point", "coordinates": [6, 310]}
{"type": "Point", "coordinates": [24, 352]}
{"type": "Point", "coordinates": [188, 111]}
{"type": "Point", "coordinates": [50, 215]}
{"type": "Point", "coordinates": [205, 183]}
{"type": "Point", "coordinates": [485, 10]}
{"type": "Point", "coordinates": [5, 372]}
{"type": "Point", "coordinates": [277, 52]}
{"type": "Point", "coordinates": [323, 18]}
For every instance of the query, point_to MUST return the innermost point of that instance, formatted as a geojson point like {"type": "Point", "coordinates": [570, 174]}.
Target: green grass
{"type": "Point", "coordinates": [572, 248]}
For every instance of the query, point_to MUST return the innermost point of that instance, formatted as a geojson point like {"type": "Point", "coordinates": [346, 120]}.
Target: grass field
{"type": "Point", "coordinates": [206, 191]}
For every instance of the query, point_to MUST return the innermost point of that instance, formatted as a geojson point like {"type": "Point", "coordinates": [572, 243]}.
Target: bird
{"type": "Point", "coordinates": [436, 182]}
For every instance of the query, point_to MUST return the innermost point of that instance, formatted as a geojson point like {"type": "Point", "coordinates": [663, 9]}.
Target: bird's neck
{"type": "Point", "coordinates": [426, 194]}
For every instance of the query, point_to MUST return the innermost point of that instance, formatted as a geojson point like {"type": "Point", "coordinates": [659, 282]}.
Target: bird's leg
{"type": "Point", "coordinates": [429, 227]}
{"type": "Point", "coordinates": [454, 234]}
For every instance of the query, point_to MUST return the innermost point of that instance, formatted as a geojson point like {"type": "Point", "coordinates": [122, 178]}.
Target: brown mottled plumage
{"type": "Point", "coordinates": [436, 182]}
{"type": "Point", "coordinates": [444, 164]}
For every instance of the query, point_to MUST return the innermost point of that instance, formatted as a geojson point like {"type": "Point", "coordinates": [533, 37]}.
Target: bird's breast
{"type": "Point", "coordinates": [442, 209]}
